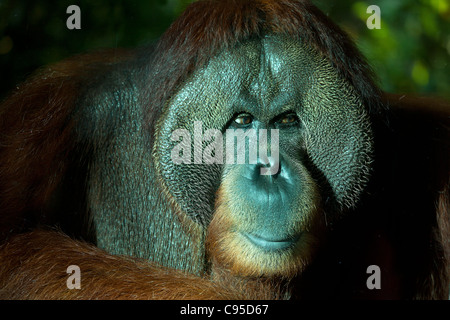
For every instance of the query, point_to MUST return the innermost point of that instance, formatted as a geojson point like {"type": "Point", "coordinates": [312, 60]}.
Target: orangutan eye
{"type": "Point", "coordinates": [243, 119]}
{"type": "Point", "coordinates": [289, 118]}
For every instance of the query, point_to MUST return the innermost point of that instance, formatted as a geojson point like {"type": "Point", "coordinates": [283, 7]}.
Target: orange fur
{"type": "Point", "coordinates": [34, 267]}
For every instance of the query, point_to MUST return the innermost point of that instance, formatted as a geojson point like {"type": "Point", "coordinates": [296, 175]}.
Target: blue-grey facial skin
{"type": "Point", "coordinates": [268, 78]}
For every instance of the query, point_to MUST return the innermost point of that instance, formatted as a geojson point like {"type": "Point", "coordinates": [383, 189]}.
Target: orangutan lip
{"type": "Point", "coordinates": [272, 243]}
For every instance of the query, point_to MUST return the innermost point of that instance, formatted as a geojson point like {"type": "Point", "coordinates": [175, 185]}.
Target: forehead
{"type": "Point", "coordinates": [264, 77]}
{"type": "Point", "coordinates": [262, 74]}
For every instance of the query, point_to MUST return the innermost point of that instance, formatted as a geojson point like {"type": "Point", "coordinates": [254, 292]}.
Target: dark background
{"type": "Point", "coordinates": [410, 53]}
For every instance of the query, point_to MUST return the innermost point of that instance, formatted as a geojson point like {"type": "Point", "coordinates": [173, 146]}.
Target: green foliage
{"type": "Point", "coordinates": [410, 53]}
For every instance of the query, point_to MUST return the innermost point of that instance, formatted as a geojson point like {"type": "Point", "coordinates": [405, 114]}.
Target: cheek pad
{"type": "Point", "coordinates": [207, 97]}
{"type": "Point", "coordinates": [339, 139]}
